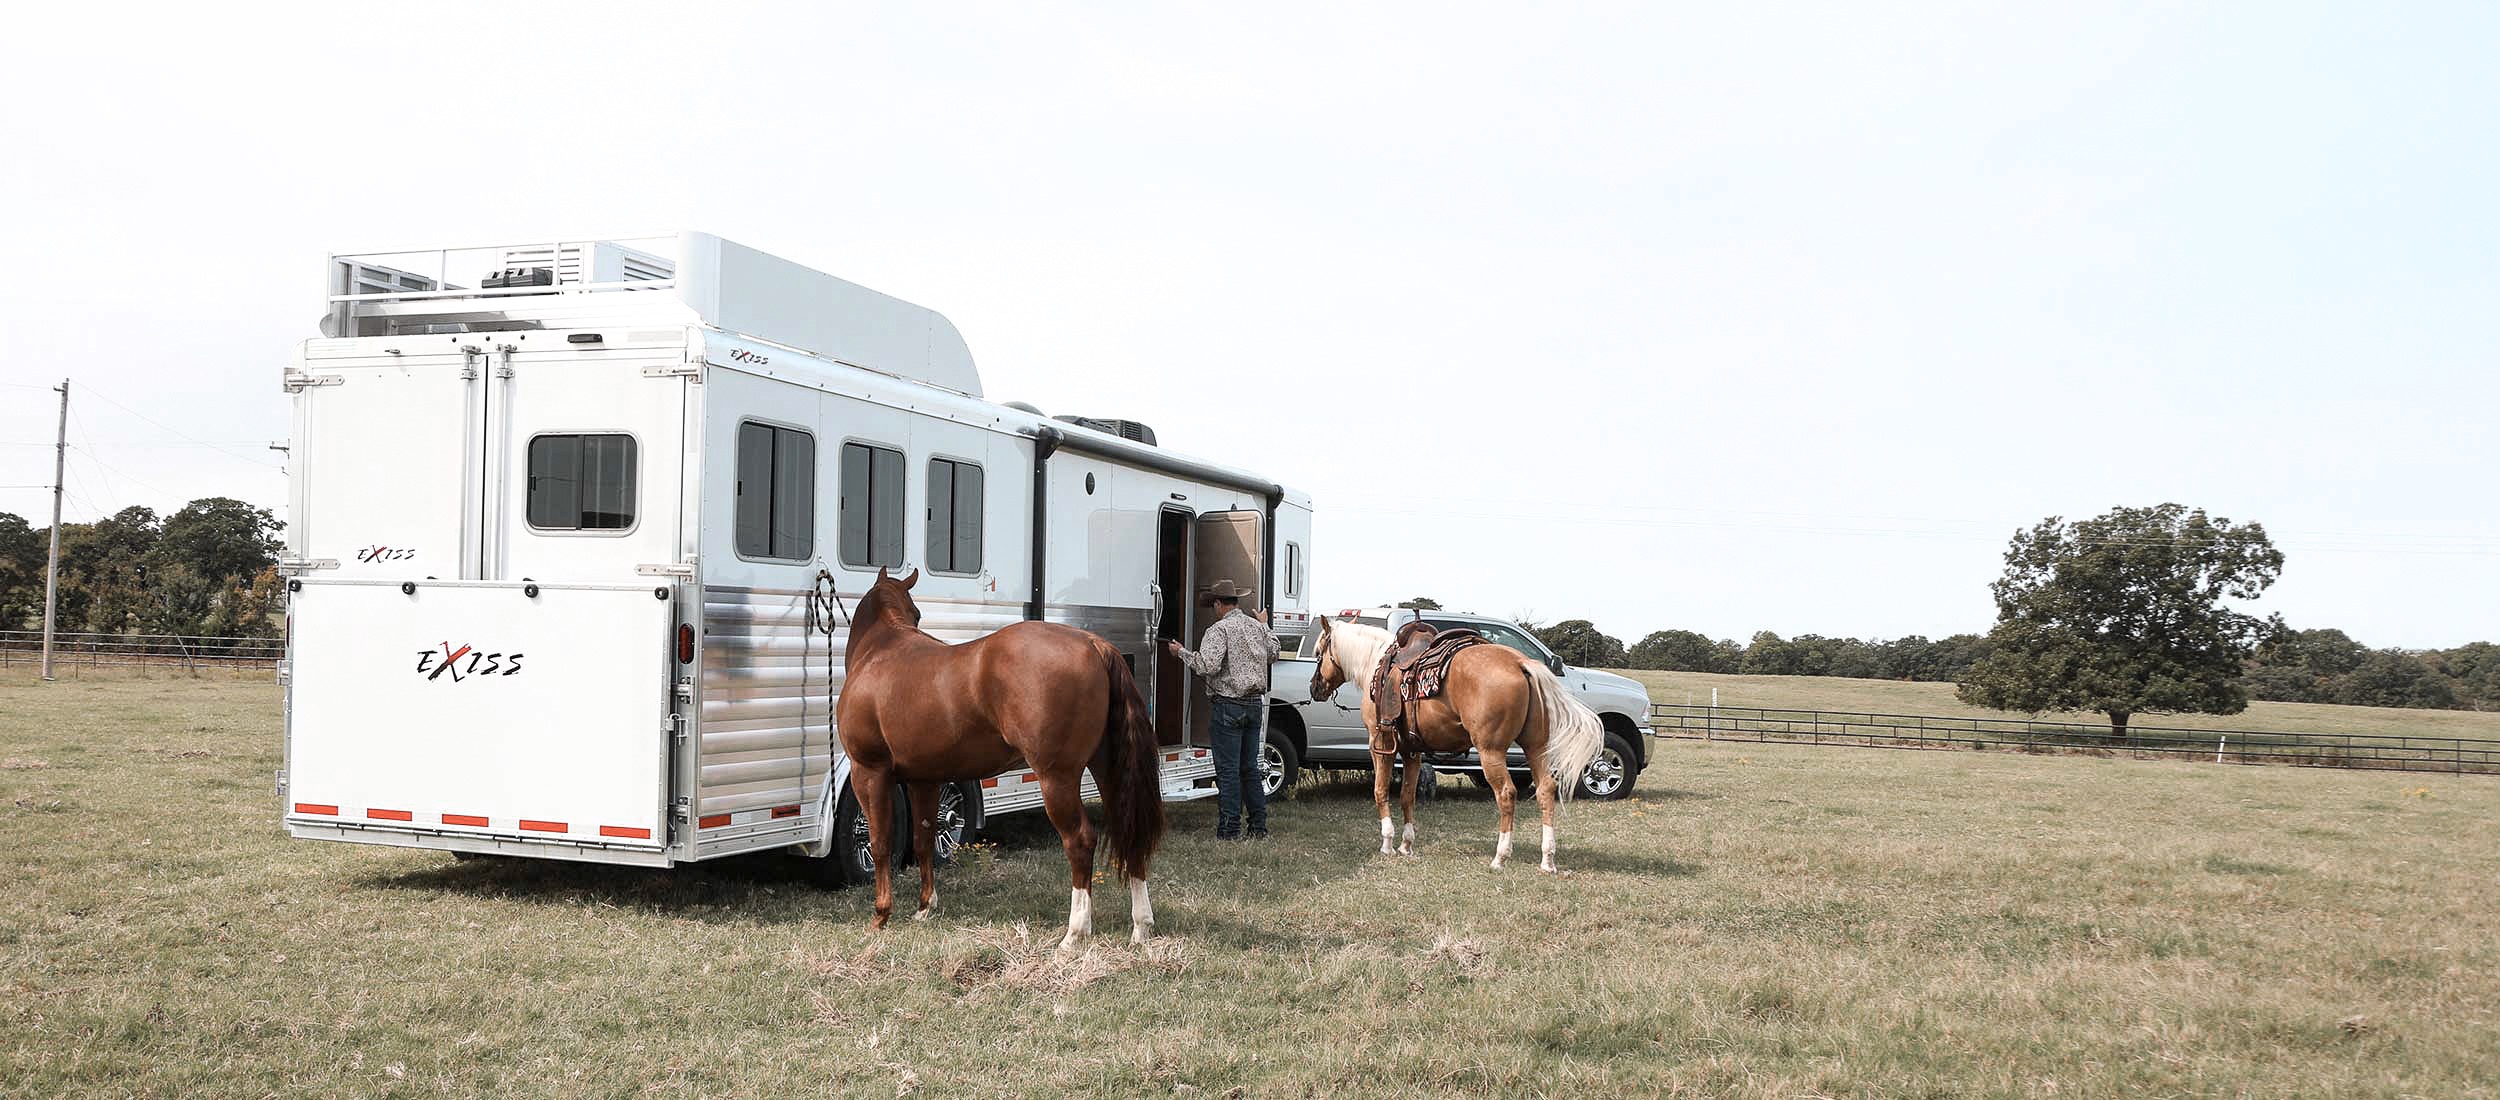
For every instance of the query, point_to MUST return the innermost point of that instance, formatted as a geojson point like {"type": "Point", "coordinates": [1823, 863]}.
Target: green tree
{"type": "Point", "coordinates": [104, 569]}
{"type": "Point", "coordinates": [1768, 655]}
{"type": "Point", "coordinates": [2394, 678]}
{"type": "Point", "coordinates": [1579, 642]}
{"type": "Point", "coordinates": [1422, 603]}
{"type": "Point", "coordinates": [1684, 651]}
{"type": "Point", "coordinates": [2124, 614]}
{"type": "Point", "coordinates": [2305, 666]}
{"type": "Point", "coordinates": [22, 551]}
{"type": "Point", "coordinates": [219, 539]}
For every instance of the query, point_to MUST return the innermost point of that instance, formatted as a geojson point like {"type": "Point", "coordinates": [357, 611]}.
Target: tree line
{"type": "Point", "coordinates": [208, 570]}
{"type": "Point", "coordinates": [2134, 611]}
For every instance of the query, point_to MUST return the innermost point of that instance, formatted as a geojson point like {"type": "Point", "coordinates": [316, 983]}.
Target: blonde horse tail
{"type": "Point", "coordinates": [1573, 733]}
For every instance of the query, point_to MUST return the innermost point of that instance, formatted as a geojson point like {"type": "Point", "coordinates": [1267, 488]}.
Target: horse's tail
{"type": "Point", "coordinates": [1573, 732]}
{"type": "Point", "coordinates": [1132, 778]}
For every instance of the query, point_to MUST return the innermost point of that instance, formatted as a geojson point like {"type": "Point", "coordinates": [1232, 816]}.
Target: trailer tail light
{"type": "Point", "coordinates": [685, 643]}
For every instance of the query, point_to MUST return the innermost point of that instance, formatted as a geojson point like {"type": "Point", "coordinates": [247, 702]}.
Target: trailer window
{"type": "Point", "coordinates": [581, 482]}
{"type": "Point", "coordinates": [872, 505]}
{"type": "Point", "coordinates": [954, 516]}
{"type": "Point", "coordinates": [776, 492]}
{"type": "Point", "coordinates": [1293, 569]}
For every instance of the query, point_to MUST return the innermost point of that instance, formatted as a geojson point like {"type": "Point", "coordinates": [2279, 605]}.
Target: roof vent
{"type": "Point", "coordinates": [1125, 429]}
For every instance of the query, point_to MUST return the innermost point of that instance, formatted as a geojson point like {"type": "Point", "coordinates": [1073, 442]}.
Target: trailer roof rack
{"type": "Point", "coordinates": [679, 278]}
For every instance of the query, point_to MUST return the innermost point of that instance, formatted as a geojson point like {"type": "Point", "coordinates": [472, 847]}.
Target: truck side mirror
{"type": "Point", "coordinates": [1556, 663]}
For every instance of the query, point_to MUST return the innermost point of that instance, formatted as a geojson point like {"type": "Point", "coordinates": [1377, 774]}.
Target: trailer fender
{"type": "Point", "coordinates": [821, 844]}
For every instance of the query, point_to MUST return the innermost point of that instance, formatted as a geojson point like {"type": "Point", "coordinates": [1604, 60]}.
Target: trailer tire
{"type": "Point", "coordinates": [960, 824]}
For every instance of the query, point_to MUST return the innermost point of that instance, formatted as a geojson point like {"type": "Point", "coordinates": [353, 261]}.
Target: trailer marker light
{"type": "Point", "coordinates": [780, 812]}
{"type": "Point", "coordinates": [685, 643]}
{"type": "Point", "coordinates": [713, 822]}
{"type": "Point", "coordinates": [545, 826]}
{"type": "Point", "coordinates": [316, 808]}
{"type": "Point", "coordinates": [620, 830]}
{"type": "Point", "coordinates": [464, 819]}
{"type": "Point", "coordinates": [990, 782]}
{"type": "Point", "coordinates": [388, 815]}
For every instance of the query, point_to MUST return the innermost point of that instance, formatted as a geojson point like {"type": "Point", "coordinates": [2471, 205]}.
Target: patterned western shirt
{"type": "Point", "coordinates": [1234, 656]}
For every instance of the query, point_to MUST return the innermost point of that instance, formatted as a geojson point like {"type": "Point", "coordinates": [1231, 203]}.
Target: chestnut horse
{"type": "Point", "coordinates": [1492, 698]}
{"type": "Point", "coordinates": [920, 712]}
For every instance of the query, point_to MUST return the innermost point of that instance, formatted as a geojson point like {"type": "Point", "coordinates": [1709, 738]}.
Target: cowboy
{"type": "Point", "coordinates": [1233, 656]}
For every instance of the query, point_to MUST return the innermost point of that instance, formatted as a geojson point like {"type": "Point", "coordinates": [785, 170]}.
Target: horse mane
{"type": "Point", "coordinates": [1358, 647]}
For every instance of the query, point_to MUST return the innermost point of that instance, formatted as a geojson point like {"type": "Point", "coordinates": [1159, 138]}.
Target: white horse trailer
{"type": "Point", "coordinates": [574, 526]}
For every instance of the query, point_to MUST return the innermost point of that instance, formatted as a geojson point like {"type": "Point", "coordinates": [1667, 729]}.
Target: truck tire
{"type": "Point", "coordinates": [1610, 776]}
{"type": "Point", "coordinates": [1279, 765]}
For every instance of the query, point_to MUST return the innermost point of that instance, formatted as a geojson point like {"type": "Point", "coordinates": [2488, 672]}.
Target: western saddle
{"type": "Point", "coordinates": [1411, 671]}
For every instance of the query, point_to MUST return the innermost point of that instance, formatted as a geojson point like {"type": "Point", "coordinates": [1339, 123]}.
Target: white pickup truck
{"type": "Point", "coordinates": [1303, 732]}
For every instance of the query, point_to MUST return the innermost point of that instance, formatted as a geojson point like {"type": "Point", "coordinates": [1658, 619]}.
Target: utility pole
{"type": "Point", "coordinates": [52, 567]}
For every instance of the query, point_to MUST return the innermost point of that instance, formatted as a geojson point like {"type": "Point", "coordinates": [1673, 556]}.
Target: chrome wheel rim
{"type": "Point", "coordinates": [861, 857]}
{"type": "Point", "coordinates": [950, 822]}
{"type": "Point", "coordinates": [1604, 776]}
{"type": "Point", "coordinates": [1271, 770]}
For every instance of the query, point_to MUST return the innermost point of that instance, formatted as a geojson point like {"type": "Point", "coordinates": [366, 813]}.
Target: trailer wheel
{"type": "Point", "coordinates": [959, 823]}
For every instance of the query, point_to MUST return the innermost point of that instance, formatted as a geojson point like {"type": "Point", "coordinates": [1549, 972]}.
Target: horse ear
{"type": "Point", "coordinates": [881, 574]}
{"type": "Point", "coordinates": [911, 580]}
{"type": "Point", "coordinates": [1323, 624]}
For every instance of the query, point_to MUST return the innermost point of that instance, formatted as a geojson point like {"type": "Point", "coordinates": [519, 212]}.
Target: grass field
{"type": "Point", "coordinates": [1760, 922]}
{"type": "Point", "coordinates": [1901, 697]}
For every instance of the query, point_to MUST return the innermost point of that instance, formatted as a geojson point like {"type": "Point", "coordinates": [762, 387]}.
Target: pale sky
{"type": "Point", "coordinates": [1722, 317]}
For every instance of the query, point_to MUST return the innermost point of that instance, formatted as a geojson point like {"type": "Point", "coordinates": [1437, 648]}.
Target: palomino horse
{"type": "Point", "coordinates": [1492, 698]}
{"type": "Point", "coordinates": [918, 711]}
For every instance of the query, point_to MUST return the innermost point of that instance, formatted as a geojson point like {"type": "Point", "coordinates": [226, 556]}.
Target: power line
{"type": "Point", "coordinates": [108, 399]}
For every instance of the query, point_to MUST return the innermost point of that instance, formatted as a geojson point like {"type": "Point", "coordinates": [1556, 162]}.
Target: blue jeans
{"type": "Point", "coordinates": [1234, 727]}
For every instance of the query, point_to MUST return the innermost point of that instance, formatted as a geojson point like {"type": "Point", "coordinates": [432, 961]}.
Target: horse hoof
{"type": "Point", "coordinates": [1406, 849]}
{"type": "Point", "coordinates": [923, 914]}
{"type": "Point", "coordinates": [877, 923]}
{"type": "Point", "coordinates": [1068, 945]}
{"type": "Point", "coordinates": [1549, 868]}
{"type": "Point", "coordinates": [1387, 850]}
{"type": "Point", "coordinates": [1497, 864]}
{"type": "Point", "coordinates": [1141, 933]}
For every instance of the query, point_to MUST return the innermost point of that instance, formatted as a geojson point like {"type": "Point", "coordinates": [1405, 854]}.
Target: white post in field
{"type": "Point", "coordinates": [52, 565]}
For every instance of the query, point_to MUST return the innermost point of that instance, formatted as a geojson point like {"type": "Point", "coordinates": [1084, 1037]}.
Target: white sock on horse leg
{"type": "Point", "coordinates": [1141, 912]}
{"type": "Point", "coordinates": [1548, 865]}
{"type": "Point", "coordinates": [1501, 850]}
{"type": "Point", "coordinates": [1080, 917]}
{"type": "Point", "coordinates": [925, 910]}
{"type": "Point", "coordinates": [1407, 841]}
{"type": "Point", "coordinates": [1388, 833]}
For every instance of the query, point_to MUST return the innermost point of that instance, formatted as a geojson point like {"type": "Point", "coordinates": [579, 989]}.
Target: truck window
{"type": "Point", "coordinates": [581, 482]}
{"type": "Point", "coordinates": [872, 505]}
{"type": "Point", "coordinates": [954, 516]}
{"type": "Point", "coordinates": [1502, 635]}
{"type": "Point", "coordinates": [776, 514]}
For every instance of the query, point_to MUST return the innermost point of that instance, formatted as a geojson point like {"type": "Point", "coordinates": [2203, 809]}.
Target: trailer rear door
{"type": "Point", "coordinates": [481, 709]}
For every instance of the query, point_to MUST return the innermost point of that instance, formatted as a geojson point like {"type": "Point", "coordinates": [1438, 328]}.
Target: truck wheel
{"type": "Point", "coordinates": [1279, 765]}
{"type": "Point", "coordinates": [1610, 775]}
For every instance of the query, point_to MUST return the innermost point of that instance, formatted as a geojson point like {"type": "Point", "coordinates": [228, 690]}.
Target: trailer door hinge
{"type": "Point", "coordinates": [298, 381]}
{"type": "Point", "coordinates": [292, 566]}
{"type": "Point", "coordinates": [681, 370]}
{"type": "Point", "coordinates": [680, 569]}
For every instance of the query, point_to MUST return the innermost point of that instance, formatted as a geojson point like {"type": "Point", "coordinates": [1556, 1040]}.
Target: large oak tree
{"type": "Point", "coordinates": [2124, 614]}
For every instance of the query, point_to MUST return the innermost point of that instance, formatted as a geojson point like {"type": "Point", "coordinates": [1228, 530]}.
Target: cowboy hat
{"type": "Point", "coordinates": [1226, 590]}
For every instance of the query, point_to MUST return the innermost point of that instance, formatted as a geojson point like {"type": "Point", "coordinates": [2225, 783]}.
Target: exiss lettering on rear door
{"type": "Point", "coordinates": [457, 663]}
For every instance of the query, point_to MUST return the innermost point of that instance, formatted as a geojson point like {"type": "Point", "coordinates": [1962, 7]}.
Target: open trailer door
{"type": "Point", "coordinates": [482, 716]}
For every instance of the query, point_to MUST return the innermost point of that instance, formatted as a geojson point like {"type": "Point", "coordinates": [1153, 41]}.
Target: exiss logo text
{"type": "Point", "coordinates": [457, 664]}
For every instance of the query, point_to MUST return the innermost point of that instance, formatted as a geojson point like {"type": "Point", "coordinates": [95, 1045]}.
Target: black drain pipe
{"type": "Point", "coordinates": [1045, 443]}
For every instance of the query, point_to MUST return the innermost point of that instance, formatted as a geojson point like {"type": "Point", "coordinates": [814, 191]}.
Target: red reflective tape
{"type": "Point", "coordinates": [620, 830]}
{"type": "Point", "coordinates": [1028, 777]}
{"type": "Point", "coordinates": [990, 782]}
{"type": "Point", "coordinates": [713, 821]}
{"type": "Point", "coordinates": [545, 826]}
{"type": "Point", "coordinates": [1171, 756]}
{"type": "Point", "coordinates": [316, 808]}
{"type": "Point", "coordinates": [785, 811]}
{"type": "Point", "coordinates": [388, 815]}
{"type": "Point", "coordinates": [464, 819]}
